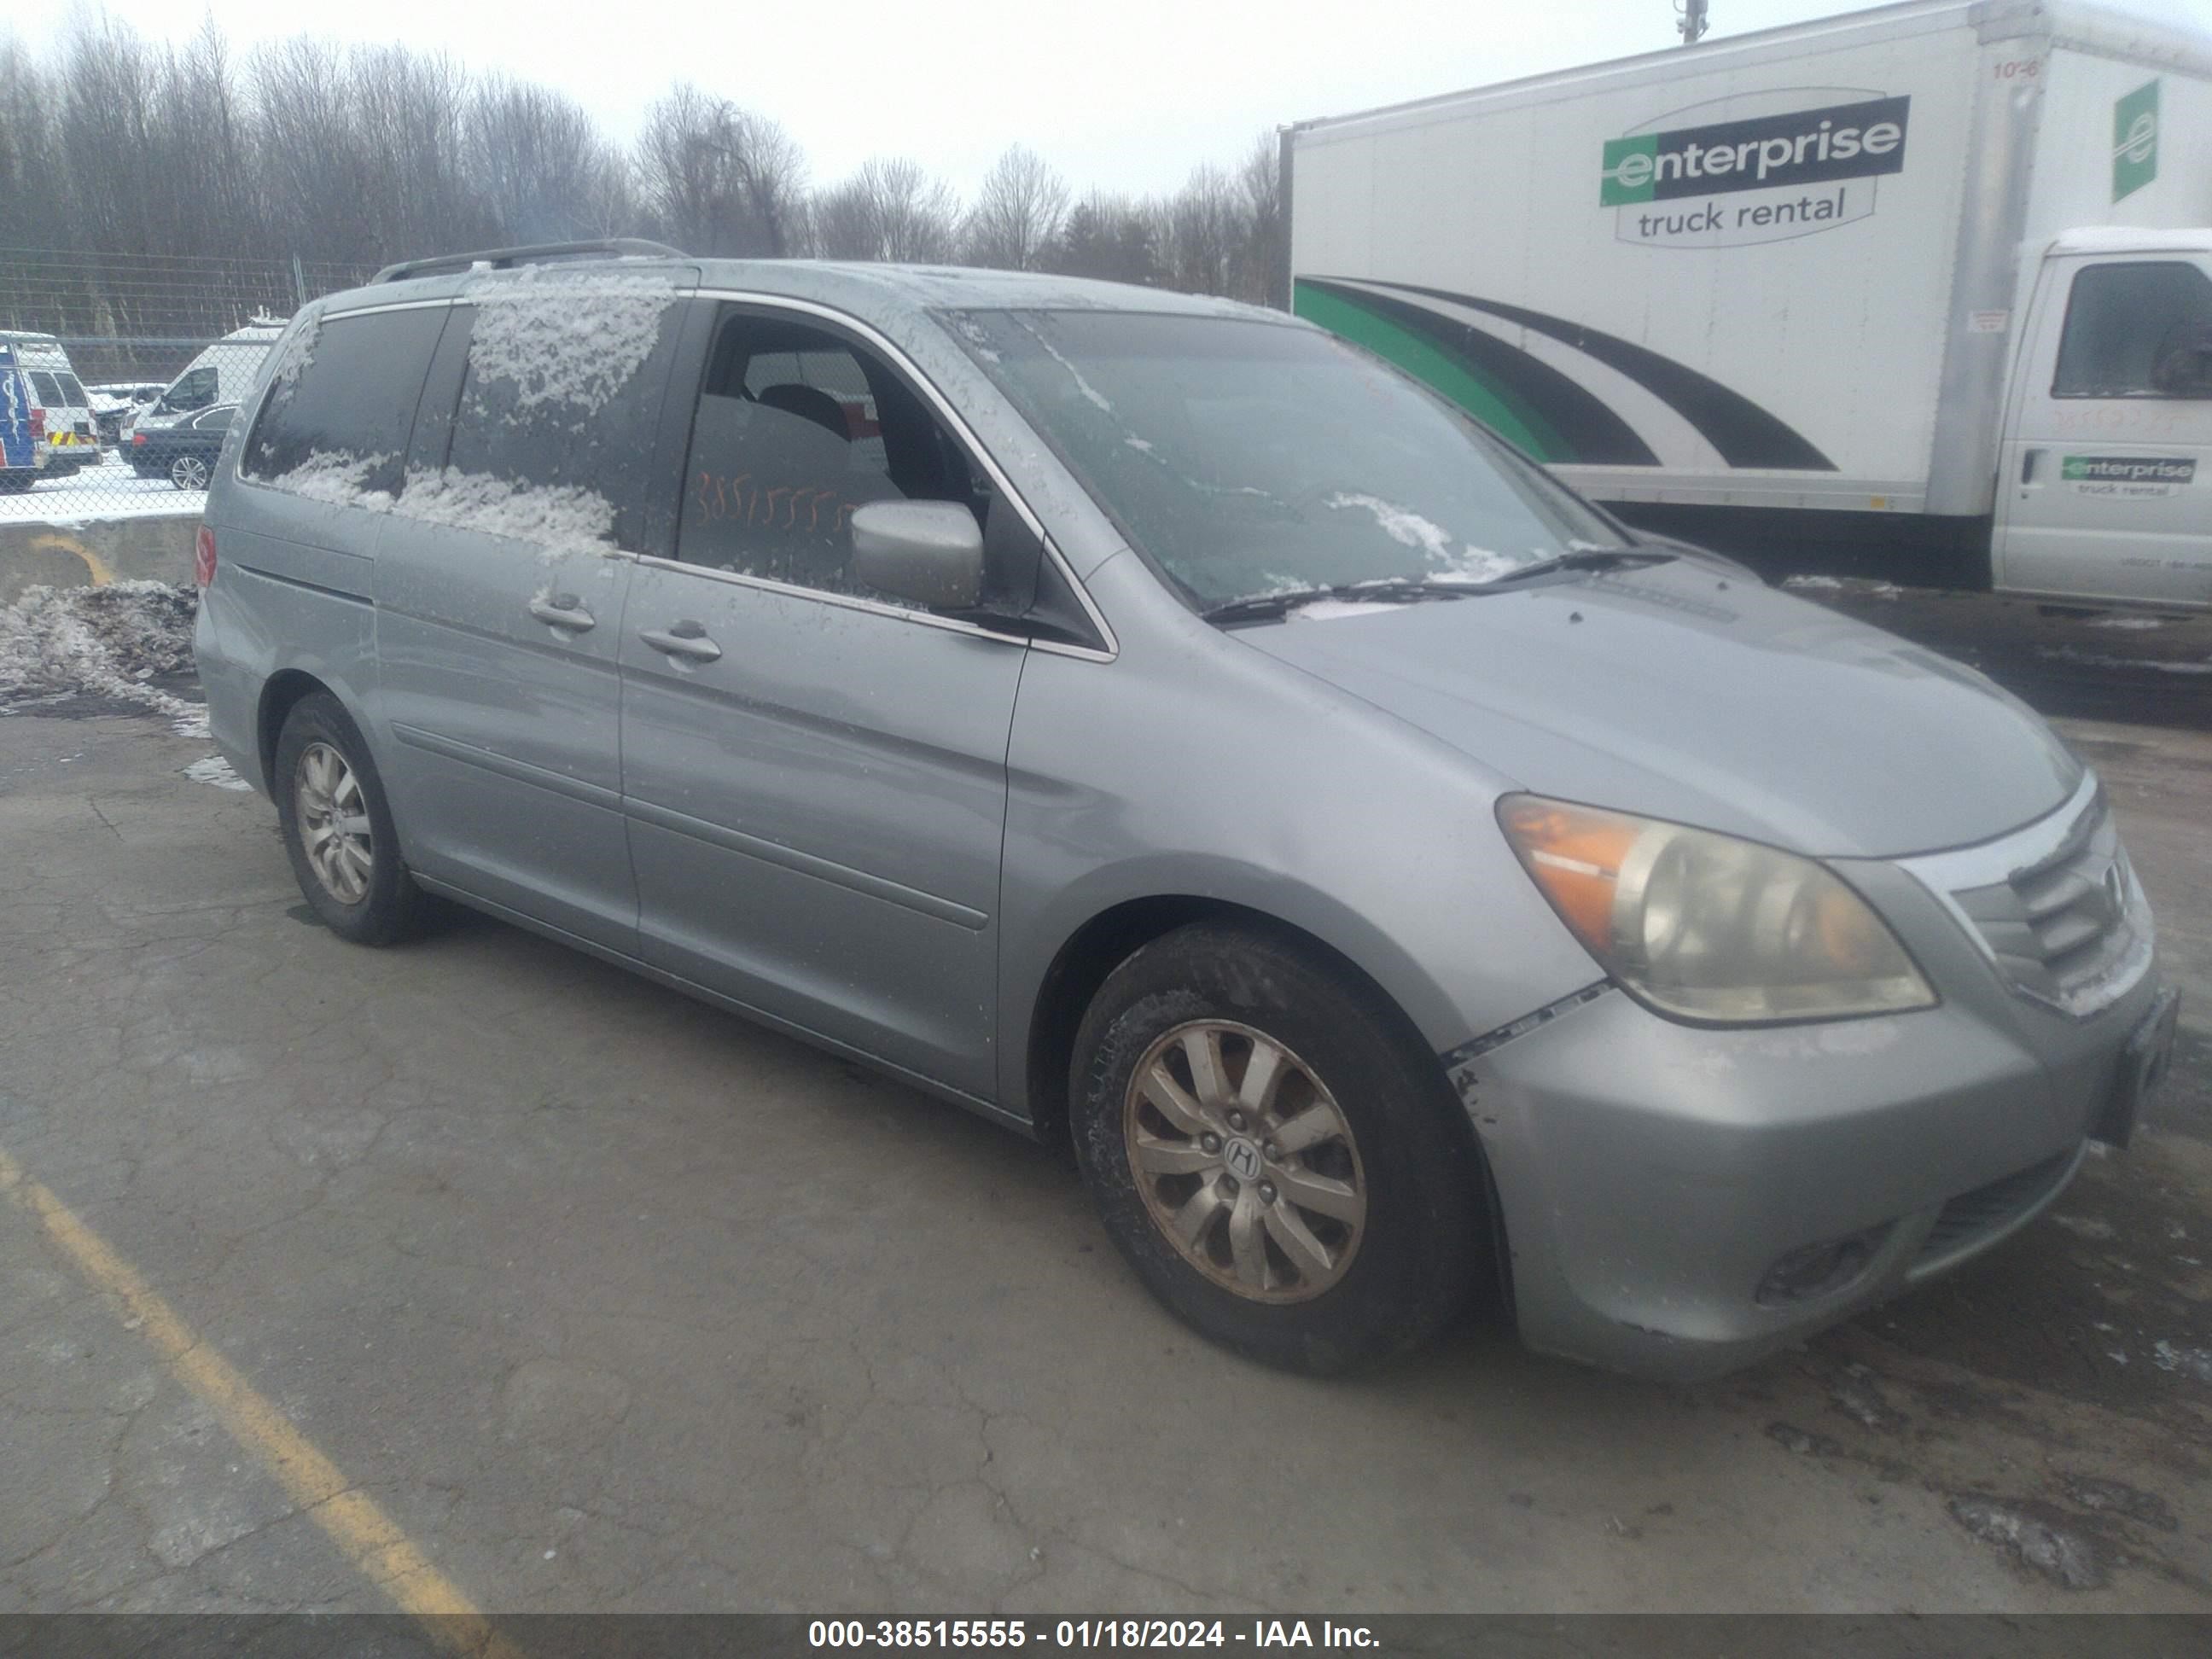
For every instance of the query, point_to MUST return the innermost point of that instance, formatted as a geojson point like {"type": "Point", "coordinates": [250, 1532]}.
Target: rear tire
{"type": "Point", "coordinates": [1321, 1216]}
{"type": "Point", "coordinates": [189, 472]}
{"type": "Point", "coordinates": [339, 829]}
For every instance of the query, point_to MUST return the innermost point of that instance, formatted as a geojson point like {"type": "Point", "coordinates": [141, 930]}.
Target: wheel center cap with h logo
{"type": "Point", "coordinates": [1240, 1158]}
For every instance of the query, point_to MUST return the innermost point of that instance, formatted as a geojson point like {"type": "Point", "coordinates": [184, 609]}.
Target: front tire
{"type": "Point", "coordinates": [1274, 1152]}
{"type": "Point", "coordinates": [339, 829]}
{"type": "Point", "coordinates": [189, 472]}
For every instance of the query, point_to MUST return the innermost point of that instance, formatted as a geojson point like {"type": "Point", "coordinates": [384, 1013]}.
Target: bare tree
{"type": "Point", "coordinates": [719, 179]}
{"type": "Point", "coordinates": [1203, 233]}
{"type": "Point", "coordinates": [891, 209]}
{"type": "Point", "coordinates": [1261, 268]}
{"type": "Point", "coordinates": [541, 168]}
{"type": "Point", "coordinates": [1017, 212]}
{"type": "Point", "coordinates": [1112, 237]}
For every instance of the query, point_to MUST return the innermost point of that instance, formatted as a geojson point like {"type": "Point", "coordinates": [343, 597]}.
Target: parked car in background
{"type": "Point", "coordinates": [179, 434]}
{"type": "Point", "coordinates": [58, 435]}
{"type": "Point", "coordinates": [1151, 721]}
{"type": "Point", "coordinates": [114, 401]}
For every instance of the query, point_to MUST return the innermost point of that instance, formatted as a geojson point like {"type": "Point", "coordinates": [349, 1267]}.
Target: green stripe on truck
{"type": "Point", "coordinates": [1488, 402]}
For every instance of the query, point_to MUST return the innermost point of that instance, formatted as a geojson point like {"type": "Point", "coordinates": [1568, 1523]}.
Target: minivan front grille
{"type": "Point", "coordinates": [2066, 925]}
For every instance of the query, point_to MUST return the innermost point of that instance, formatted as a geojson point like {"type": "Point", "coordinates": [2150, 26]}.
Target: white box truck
{"type": "Point", "coordinates": [1934, 277]}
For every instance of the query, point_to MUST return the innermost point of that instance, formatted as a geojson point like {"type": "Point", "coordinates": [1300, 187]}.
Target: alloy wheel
{"type": "Point", "coordinates": [334, 822]}
{"type": "Point", "coordinates": [189, 472]}
{"type": "Point", "coordinates": [1245, 1161]}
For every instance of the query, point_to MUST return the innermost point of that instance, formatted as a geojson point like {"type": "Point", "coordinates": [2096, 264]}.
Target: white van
{"type": "Point", "coordinates": [180, 422]}
{"type": "Point", "coordinates": [46, 426]}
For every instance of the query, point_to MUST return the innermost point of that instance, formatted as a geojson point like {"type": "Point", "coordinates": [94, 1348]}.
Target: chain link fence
{"type": "Point", "coordinates": [118, 374]}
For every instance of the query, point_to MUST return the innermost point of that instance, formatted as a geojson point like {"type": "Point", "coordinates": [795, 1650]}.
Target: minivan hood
{"type": "Point", "coordinates": [1688, 692]}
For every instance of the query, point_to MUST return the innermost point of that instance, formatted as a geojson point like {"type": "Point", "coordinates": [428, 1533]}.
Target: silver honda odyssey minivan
{"type": "Point", "coordinates": [1151, 721]}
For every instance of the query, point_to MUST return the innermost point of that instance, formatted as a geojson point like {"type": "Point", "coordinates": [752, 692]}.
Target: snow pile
{"type": "Point", "coordinates": [1410, 529]}
{"type": "Point", "coordinates": [561, 517]}
{"type": "Point", "coordinates": [565, 338]}
{"type": "Point", "coordinates": [101, 642]}
{"type": "Point", "coordinates": [338, 477]}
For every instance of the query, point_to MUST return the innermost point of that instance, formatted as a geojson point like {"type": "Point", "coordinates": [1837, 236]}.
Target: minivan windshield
{"type": "Point", "coordinates": [1251, 458]}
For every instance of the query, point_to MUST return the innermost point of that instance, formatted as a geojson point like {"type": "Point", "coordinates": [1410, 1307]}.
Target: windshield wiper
{"type": "Point", "coordinates": [1388, 590]}
{"type": "Point", "coordinates": [1582, 557]}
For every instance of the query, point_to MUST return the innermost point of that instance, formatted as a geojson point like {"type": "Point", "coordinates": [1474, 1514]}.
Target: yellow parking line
{"type": "Point", "coordinates": [53, 542]}
{"type": "Point", "coordinates": [371, 1539]}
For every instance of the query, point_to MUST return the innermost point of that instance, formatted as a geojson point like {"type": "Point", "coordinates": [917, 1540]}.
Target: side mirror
{"type": "Point", "coordinates": [929, 552]}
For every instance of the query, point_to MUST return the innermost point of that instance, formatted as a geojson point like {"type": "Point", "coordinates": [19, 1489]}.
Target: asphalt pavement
{"type": "Point", "coordinates": [336, 1278]}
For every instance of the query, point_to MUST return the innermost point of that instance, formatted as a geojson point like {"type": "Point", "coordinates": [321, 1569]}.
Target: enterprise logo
{"type": "Point", "coordinates": [1806, 147]}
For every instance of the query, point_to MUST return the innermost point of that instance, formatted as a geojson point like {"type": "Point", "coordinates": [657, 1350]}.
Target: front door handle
{"type": "Point", "coordinates": [562, 611]}
{"type": "Point", "coordinates": [684, 639]}
{"type": "Point", "coordinates": [2028, 457]}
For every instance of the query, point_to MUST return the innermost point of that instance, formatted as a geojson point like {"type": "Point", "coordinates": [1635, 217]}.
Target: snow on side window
{"type": "Point", "coordinates": [295, 350]}
{"type": "Point", "coordinates": [339, 478]}
{"type": "Point", "coordinates": [559, 517]}
{"type": "Point", "coordinates": [563, 339]}
{"type": "Point", "coordinates": [354, 397]}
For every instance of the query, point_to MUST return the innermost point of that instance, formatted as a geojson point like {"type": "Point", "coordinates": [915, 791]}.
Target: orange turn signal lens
{"type": "Point", "coordinates": [1574, 854]}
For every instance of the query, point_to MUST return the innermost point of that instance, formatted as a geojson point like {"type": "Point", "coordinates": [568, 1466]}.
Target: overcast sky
{"type": "Point", "coordinates": [1128, 94]}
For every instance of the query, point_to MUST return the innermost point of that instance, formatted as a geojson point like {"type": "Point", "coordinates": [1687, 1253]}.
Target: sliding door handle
{"type": "Point", "coordinates": [686, 640]}
{"type": "Point", "coordinates": [564, 611]}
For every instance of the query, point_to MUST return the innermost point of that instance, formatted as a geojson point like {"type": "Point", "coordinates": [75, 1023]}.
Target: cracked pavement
{"type": "Point", "coordinates": [612, 1302]}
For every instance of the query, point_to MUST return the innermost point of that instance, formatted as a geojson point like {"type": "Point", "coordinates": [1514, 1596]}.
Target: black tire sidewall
{"type": "Point", "coordinates": [392, 907]}
{"type": "Point", "coordinates": [1418, 1257]}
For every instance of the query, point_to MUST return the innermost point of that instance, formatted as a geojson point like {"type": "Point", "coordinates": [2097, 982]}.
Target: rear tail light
{"type": "Point", "coordinates": [204, 557]}
{"type": "Point", "coordinates": [137, 437]}
{"type": "Point", "coordinates": [37, 424]}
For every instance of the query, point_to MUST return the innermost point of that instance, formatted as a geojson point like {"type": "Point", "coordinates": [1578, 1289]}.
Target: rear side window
{"type": "Point", "coordinates": [341, 422]}
{"type": "Point", "coordinates": [72, 390]}
{"type": "Point", "coordinates": [2125, 326]}
{"type": "Point", "coordinates": [563, 384]}
{"type": "Point", "coordinates": [48, 388]}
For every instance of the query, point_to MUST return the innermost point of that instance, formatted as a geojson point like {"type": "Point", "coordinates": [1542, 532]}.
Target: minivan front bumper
{"type": "Point", "coordinates": [1681, 1201]}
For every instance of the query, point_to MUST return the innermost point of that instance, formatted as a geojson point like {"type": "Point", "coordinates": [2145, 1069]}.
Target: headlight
{"type": "Point", "coordinates": [1704, 927]}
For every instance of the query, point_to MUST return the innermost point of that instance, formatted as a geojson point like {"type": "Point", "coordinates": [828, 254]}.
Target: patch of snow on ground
{"type": "Point", "coordinates": [562, 518]}
{"type": "Point", "coordinates": [2093, 659]}
{"type": "Point", "coordinates": [217, 770]}
{"type": "Point", "coordinates": [109, 490]}
{"type": "Point", "coordinates": [2052, 1550]}
{"type": "Point", "coordinates": [101, 642]}
{"type": "Point", "coordinates": [2128, 621]}
{"type": "Point", "coordinates": [2195, 1363]}
{"type": "Point", "coordinates": [564, 338]}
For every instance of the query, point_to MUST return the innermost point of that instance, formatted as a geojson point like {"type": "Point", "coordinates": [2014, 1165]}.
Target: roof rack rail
{"type": "Point", "coordinates": [506, 258]}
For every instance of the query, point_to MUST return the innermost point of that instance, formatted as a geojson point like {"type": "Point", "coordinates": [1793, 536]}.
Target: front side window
{"type": "Point", "coordinates": [339, 427]}
{"type": "Point", "coordinates": [195, 389]}
{"type": "Point", "coordinates": [1252, 457]}
{"type": "Point", "coordinates": [795, 430]}
{"type": "Point", "coordinates": [2140, 329]}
